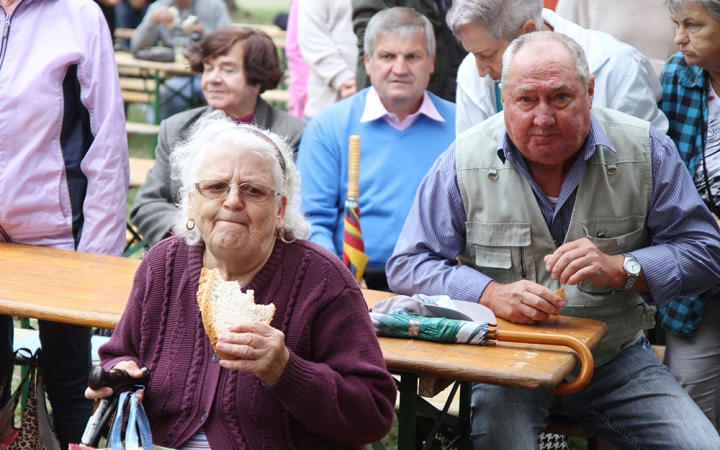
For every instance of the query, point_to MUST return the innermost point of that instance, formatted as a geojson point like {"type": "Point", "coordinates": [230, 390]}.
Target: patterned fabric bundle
{"type": "Point", "coordinates": [436, 329]}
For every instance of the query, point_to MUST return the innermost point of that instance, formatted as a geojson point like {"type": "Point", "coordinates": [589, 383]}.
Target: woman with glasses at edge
{"type": "Point", "coordinates": [237, 65]}
{"type": "Point", "coordinates": [314, 378]}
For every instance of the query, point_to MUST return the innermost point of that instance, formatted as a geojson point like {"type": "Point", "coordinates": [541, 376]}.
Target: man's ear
{"type": "Point", "coordinates": [366, 60]}
{"type": "Point", "coordinates": [591, 87]}
{"type": "Point", "coordinates": [528, 27]}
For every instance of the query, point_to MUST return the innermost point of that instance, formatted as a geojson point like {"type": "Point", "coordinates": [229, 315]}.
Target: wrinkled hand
{"type": "Point", "coordinates": [581, 260]}
{"type": "Point", "coordinates": [347, 88]}
{"type": "Point", "coordinates": [261, 349]}
{"type": "Point", "coordinates": [128, 366]}
{"type": "Point", "coordinates": [521, 302]}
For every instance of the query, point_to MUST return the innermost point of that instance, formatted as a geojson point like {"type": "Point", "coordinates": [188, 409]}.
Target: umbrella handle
{"type": "Point", "coordinates": [353, 190]}
{"type": "Point", "coordinates": [586, 358]}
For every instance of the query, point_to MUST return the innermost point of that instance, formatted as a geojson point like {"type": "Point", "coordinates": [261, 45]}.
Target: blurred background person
{"type": "Point", "coordinates": [299, 70]}
{"type": "Point", "coordinates": [624, 79]}
{"type": "Point", "coordinates": [64, 174]}
{"type": "Point", "coordinates": [644, 24]}
{"type": "Point", "coordinates": [176, 24]}
{"type": "Point", "coordinates": [315, 377]}
{"type": "Point", "coordinates": [691, 82]}
{"type": "Point", "coordinates": [328, 45]}
{"type": "Point", "coordinates": [237, 65]}
{"type": "Point", "coordinates": [449, 52]}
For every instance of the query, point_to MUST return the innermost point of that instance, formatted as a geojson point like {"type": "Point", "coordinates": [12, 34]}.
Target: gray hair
{"type": "Point", "coordinates": [502, 19]}
{"type": "Point", "coordinates": [215, 129]}
{"type": "Point", "coordinates": [711, 6]}
{"type": "Point", "coordinates": [402, 22]}
{"type": "Point", "coordinates": [538, 39]}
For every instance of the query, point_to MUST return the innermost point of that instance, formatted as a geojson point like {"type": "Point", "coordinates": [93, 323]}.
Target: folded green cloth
{"type": "Point", "coordinates": [436, 329]}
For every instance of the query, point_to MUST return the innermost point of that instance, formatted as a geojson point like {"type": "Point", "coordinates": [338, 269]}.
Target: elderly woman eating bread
{"type": "Point", "coordinates": [314, 377]}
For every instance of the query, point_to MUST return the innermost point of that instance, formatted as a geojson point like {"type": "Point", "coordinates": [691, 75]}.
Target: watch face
{"type": "Point", "coordinates": [632, 266]}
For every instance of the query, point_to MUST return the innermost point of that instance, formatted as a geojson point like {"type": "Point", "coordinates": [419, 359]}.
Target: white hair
{"type": "Point", "coordinates": [578, 54]}
{"type": "Point", "coordinates": [402, 22]}
{"type": "Point", "coordinates": [215, 129]}
{"type": "Point", "coordinates": [501, 19]}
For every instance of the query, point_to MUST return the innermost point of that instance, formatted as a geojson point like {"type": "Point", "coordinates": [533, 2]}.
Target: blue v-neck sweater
{"type": "Point", "coordinates": [392, 165]}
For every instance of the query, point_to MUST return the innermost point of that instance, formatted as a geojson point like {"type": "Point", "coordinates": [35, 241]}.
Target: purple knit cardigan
{"type": "Point", "coordinates": [335, 391]}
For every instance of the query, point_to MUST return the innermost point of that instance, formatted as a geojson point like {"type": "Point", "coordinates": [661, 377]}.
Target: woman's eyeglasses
{"type": "Point", "coordinates": [252, 192]}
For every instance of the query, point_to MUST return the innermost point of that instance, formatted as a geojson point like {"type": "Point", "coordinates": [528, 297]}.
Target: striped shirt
{"type": "Point", "coordinates": [197, 441]}
{"type": "Point", "coordinates": [684, 259]}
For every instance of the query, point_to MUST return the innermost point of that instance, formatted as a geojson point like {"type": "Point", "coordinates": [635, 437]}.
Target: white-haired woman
{"type": "Point", "coordinates": [313, 378]}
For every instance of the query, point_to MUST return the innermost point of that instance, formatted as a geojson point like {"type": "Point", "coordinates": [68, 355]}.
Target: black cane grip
{"type": "Point", "coordinates": [118, 379]}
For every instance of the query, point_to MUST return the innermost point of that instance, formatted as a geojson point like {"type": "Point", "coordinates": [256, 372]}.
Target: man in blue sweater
{"type": "Point", "coordinates": [402, 127]}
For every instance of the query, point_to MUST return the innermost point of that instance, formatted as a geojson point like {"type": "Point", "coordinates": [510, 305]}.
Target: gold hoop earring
{"type": "Point", "coordinates": [190, 224]}
{"type": "Point", "coordinates": [279, 233]}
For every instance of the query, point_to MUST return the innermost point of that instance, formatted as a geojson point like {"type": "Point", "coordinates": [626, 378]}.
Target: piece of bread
{"type": "Point", "coordinates": [561, 293]}
{"type": "Point", "coordinates": [222, 303]}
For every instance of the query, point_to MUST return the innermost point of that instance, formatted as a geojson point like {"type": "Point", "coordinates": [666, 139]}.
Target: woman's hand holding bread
{"type": "Point", "coordinates": [259, 347]}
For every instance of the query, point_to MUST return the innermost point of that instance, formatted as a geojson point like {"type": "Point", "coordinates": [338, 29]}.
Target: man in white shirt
{"type": "Point", "coordinates": [624, 79]}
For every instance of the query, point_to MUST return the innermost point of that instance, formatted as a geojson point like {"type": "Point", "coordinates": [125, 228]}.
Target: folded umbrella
{"type": "Point", "coordinates": [353, 254]}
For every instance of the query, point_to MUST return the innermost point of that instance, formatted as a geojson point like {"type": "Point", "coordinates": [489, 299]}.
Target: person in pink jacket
{"type": "Point", "coordinates": [63, 166]}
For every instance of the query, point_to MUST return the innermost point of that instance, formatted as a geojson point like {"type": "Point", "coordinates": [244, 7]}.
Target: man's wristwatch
{"type": "Point", "coordinates": [632, 269]}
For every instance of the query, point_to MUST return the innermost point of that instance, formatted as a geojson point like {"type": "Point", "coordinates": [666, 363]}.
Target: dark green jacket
{"type": "Point", "coordinates": [442, 81]}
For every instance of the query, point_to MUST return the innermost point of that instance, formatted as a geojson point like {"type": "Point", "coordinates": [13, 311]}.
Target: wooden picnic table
{"type": "Point", "coordinates": [92, 290]}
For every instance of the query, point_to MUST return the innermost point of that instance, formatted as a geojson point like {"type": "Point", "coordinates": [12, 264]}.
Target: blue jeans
{"type": "Point", "coordinates": [632, 402]}
{"type": "Point", "coordinates": [66, 366]}
{"type": "Point", "coordinates": [176, 95]}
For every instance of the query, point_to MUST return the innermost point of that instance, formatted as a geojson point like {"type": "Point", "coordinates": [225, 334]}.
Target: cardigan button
{"type": "Point", "coordinates": [204, 417]}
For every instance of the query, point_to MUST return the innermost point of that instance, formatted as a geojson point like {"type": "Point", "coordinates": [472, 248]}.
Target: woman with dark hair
{"type": "Point", "coordinates": [237, 65]}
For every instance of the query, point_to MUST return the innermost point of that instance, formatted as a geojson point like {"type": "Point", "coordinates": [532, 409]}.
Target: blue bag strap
{"type": "Point", "coordinates": [114, 437]}
{"type": "Point", "coordinates": [137, 421]}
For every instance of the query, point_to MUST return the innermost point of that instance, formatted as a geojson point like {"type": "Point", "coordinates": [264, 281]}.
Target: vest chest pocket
{"type": "Point", "coordinates": [498, 250]}
{"type": "Point", "coordinates": [612, 237]}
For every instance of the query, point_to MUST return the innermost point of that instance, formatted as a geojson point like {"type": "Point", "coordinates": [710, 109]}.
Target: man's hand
{"type": "Point", "coordinates": [162, 15]}
{"type": "Point", "coordinates": [347, 88]}
{"type": "Point", "coordinates": [521, 302]}
{"type": "Point", "coordinates": [581, 260]}
{"type": "Point", "coordinates": [192, 25]}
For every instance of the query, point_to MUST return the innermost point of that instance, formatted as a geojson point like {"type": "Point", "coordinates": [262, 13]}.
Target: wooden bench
{"type": "Point", "coordinates": [138, 170]}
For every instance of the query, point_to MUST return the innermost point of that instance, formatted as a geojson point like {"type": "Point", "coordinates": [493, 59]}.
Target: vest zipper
{"type": "Point", "coordinates": [522, 263]}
